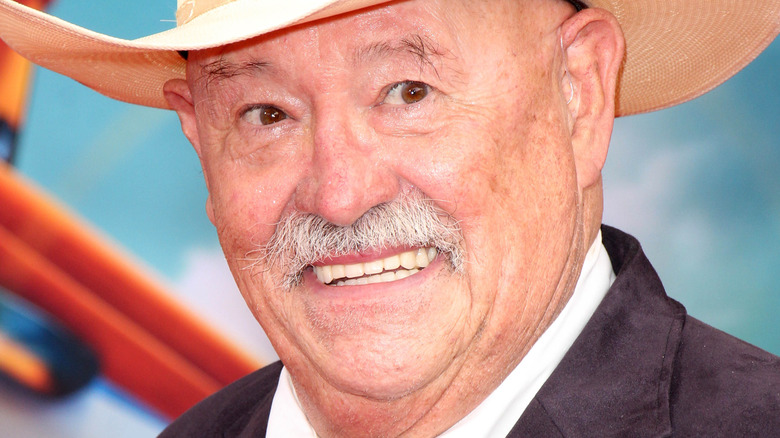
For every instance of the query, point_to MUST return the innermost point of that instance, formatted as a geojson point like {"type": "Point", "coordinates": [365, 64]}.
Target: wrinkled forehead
{"type": "Point", "coordinates": [422, 28]}
{"type": "Point", "coordinates": [386, 29]}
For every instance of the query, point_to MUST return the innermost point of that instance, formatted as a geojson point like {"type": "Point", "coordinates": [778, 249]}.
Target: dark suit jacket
{"type": "Point", "coordinates": [640, 368]}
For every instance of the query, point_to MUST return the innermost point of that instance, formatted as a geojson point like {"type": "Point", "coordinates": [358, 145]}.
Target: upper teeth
{"type": "Point", "coordinates": [377, 271]}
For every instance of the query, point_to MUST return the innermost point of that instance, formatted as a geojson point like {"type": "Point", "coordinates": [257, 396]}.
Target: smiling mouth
{"type": "Point", "coordinates": [384, 270]}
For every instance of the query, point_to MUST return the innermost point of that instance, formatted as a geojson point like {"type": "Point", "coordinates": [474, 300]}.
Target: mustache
{"type": "Point", "coordinates": [301, 239]}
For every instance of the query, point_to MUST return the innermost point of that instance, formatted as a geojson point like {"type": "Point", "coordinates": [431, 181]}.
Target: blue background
{"type": "Point", "coordinates": [697, 184]}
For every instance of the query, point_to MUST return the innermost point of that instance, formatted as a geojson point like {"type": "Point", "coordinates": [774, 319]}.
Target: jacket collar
{"type": "Point", "coordinates": [615, 379]}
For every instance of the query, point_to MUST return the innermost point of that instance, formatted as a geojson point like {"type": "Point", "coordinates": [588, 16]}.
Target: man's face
{"type": "Point", "coordinates": [454, 106]}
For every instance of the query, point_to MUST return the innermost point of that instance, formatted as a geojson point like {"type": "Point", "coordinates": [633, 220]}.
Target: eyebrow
{"type": "Point", "coordinates": [221, 69]}
{"type": "Point", "coordinates": [425, 50]}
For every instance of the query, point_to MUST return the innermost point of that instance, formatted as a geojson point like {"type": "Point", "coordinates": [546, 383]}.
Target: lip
{"type": "Point", "coordinates": [375, 290]}
{"type": "Point", "coordinates": [364, 256]}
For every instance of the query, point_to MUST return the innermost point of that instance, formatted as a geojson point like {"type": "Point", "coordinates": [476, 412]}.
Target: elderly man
{"type": "Point", "coordinates": [409, 197]}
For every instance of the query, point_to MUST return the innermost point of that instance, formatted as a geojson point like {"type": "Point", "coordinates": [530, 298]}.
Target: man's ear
{"type": "Point", "coordinates": [593, 50]}
{"type": "Point", "coordinates": [179, 98]}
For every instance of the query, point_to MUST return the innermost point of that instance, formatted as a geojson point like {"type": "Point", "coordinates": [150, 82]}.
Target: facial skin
{"type": "Point", "coordinates": [480, 126]}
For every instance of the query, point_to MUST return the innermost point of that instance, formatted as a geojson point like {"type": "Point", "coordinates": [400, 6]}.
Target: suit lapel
{"type": "Point", "coordinates": [615, 379]}
{"type": "Point", "coordinates": [535, 422]}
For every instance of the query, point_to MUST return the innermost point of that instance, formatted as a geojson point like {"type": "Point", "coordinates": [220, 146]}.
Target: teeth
{"type": "Point", "coordinates": [422, 258]}
{"type": "Point", "coordinates": [392, 263]}
{"type": "Point", "coordinates": [354, 271]}
{"type": "Point", "coordinates": [374, 267]}
{"type": "Point", "coordinates": [337, 271]}
{"type": "Point", "coordinates": [408, 259]}
{"type": "Point", "coordinates": [377, 271]}
{"type": "Point", "coordinates": [325, 274]}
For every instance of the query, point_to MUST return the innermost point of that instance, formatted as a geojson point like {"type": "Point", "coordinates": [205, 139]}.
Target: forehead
{"type": "Point", "coordinates": [422, 27]}
{"type": "Point", "coordinates": [419, 27]}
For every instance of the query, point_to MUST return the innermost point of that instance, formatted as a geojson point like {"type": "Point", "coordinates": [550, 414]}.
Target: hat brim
{"type": "Point", "coordinates": [676, 49]}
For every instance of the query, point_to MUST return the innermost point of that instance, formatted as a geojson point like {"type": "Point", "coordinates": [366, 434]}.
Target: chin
{"type": "Point", "coordinates": [389, 377]}
{"type": "Point", "coordinates": [380, 341]}
{"type": "Point", "coordinates": [387, 355]}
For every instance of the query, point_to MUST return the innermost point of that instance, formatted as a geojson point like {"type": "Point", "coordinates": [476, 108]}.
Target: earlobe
{"type": "Point", "coordinates": [210, 210]}
{"type": "Point", "coordinates": [593, 50]}
{"type": "Point", "coordinates": [179, 97]}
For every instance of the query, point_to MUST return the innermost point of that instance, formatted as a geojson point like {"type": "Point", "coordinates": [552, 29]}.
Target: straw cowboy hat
{"type": "Point", "coordinates": [675, 49]}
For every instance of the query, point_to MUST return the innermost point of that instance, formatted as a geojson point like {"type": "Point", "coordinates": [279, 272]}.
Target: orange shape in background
{"type": "Point", "coordinates": [148, 342]}
{"type": "Point", "coordinates": [14, 75]}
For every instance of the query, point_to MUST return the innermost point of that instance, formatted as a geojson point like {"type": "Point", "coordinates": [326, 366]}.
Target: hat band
{"type": "Point", "coordinates": [189, 9]}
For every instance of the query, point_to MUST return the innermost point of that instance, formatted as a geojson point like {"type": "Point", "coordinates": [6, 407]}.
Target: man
{"type": "Point", "coordinates": [409, 197]}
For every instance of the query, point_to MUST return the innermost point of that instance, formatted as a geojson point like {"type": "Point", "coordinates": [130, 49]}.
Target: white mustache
{"type": "Point", "coordinates": [302, 239]}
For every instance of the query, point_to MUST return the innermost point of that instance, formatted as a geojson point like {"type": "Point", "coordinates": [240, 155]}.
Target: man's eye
{"type": "Point", "coordinates": [264, 115]}
{"type": "Point", "coordinates": [405, 93]}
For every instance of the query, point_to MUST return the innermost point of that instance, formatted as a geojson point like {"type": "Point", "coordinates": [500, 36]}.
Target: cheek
{"type": "Point", "coordinates": [468, 167]}
{"type": "Point", "coordinates": [246, 215]}
{"type": "Point", "coordinates": [247, 204]}
{"type": "Point", "coordinates": [249, 193]}
{"type": "Point", "coordinates": [490, 171]}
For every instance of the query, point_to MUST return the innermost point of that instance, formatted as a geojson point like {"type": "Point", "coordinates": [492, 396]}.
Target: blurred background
{"type": "Point", "coordinates": [697, 184]}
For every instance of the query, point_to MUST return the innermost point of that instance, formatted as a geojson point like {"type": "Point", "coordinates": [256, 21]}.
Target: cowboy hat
{"type": "Point", "coordinates": [675, 49]}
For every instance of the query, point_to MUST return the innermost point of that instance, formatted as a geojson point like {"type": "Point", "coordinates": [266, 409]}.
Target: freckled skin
{"type": "Point", "coordinates": [491, 144]}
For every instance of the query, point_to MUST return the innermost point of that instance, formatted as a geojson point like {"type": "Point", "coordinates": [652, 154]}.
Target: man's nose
{"type": "Point", "coordinates": [348, 174]}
